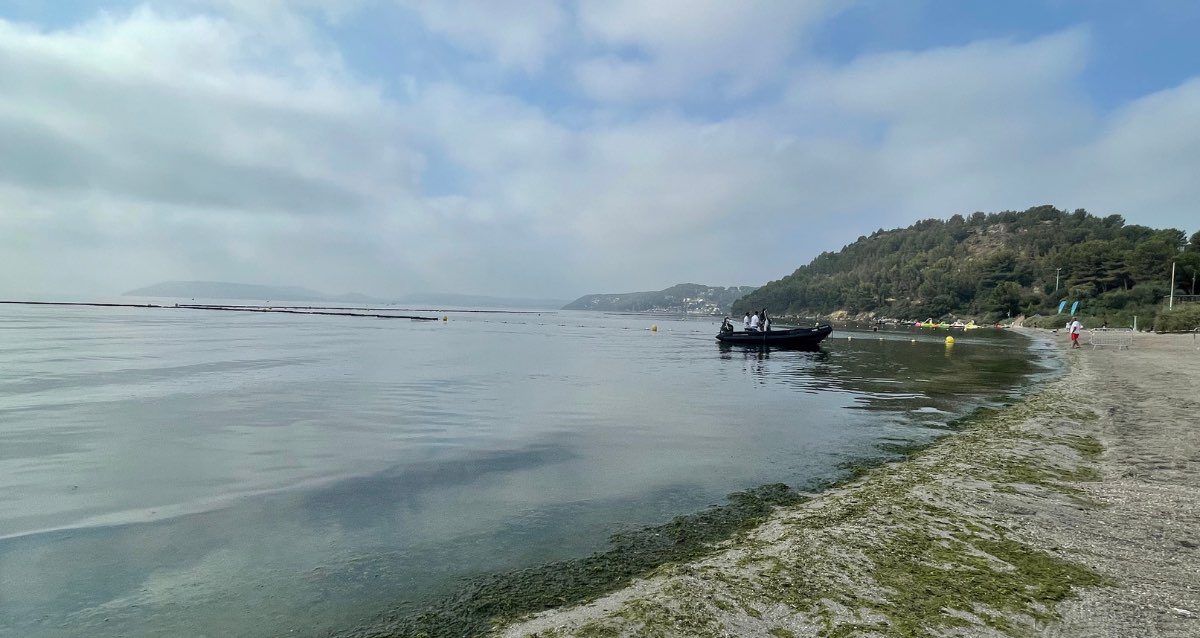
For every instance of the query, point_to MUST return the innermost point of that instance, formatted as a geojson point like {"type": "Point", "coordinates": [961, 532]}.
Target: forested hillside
{"type": "Point", "coordinates": [993, 266]}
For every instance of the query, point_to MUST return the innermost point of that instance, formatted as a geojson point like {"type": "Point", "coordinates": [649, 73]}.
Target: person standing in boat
{"type": "Point", "coordinates": [754, 321]}
{"type": "Point", "coordinates": [766, 321]}
{"type": "Point", "coordinates": [746, 322]}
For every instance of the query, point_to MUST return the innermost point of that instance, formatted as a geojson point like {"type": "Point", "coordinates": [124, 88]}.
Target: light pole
{"type": "Point", "coordinates": [1056, 271]}
{"type": "Point", "coordinates": [1171, 306]}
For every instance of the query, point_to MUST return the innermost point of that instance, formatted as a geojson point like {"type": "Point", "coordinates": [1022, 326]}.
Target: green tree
{"type": "Point", "coordinates": [1187, 271]}
{"type": "Point", "coordinates": [989, 264]}
{"type": "Point", "coordinates": [1004, 300]}
{"type": "Point", "coordinates": [1151, 260]}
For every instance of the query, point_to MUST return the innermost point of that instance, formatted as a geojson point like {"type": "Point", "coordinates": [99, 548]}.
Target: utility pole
{"type": "Point", "coordinates": [1056, 271]}
{"type": "Point", "coordinates": [1171, 305]}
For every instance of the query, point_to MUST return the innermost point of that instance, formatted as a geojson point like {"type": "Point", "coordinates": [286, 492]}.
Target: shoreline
{"type": "Point", "coordinates": [1073, 512]}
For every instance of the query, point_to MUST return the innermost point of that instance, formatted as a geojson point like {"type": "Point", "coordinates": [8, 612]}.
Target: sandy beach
{"type": "Point", "coordinates": [1074, 512]}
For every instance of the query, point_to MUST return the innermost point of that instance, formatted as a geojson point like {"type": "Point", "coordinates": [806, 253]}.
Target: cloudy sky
{"type": "Point", "coordinates": [545, 148]}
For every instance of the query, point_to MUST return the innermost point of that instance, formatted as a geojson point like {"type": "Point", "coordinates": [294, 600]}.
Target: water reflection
{"type": "Point", "coordinates": [257, 475]}
{"type": "Point", "coordinates": [914, 376]}
{"type": "Point", "coordinates": [398, 532]}
{"type": "Point", "coordinates": [763, 350]}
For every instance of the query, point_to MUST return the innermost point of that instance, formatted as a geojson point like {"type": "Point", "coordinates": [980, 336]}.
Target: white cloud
{"type": "Point", "coordinates": [990, 76]}
{"type": "Point", "coordinates": [687, 48]}
{"type": "Point", "coordinates": [517, 34]}
{"type": "Point", "coordinates": [173, 110]}
{"type": "Point", "coordinates": [1145, 161]}
{"type": "Point", "coordinates": [985, 126]}
{"type": "Point", "coordinates": [164, 145]}
{"type": "Point", "coordinates": [182, 118]}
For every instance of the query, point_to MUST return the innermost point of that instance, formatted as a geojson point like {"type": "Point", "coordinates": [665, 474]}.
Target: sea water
{"type": "Point", "coordinates": [168, 472]}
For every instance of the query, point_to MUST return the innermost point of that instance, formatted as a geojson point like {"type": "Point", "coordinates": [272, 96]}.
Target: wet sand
{"type": "Point", "coordinates": [1075, 512]}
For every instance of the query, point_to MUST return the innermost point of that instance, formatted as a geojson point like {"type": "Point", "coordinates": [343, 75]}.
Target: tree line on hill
{"type": "Point", "coordinates": [993, 267]}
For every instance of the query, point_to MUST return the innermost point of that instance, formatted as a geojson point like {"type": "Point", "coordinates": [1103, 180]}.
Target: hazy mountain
{"type": "Point", "coordinates": [254, 292]}
{"type": "Point", "coordinates": [210, 290]}
{"type": "Point", "coordinates": [480, 301]}
{"type": "Point", "coordinates": [681, 298]}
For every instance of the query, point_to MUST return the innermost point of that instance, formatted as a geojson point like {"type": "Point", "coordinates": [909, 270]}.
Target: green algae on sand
{"type": "Point", "coordinates": [485, 601]}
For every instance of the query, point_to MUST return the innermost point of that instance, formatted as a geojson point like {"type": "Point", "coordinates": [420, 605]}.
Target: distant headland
{"type": "Point", "coordinates": [681, 298]}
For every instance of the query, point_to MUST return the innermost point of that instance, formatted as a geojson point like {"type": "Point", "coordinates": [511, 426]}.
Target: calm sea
{"type": "Point", "coordinates": [180, 472]}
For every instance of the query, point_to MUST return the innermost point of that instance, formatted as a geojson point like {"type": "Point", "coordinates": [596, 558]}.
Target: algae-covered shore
{"type": "Point", "coordinates": [1075, 512]}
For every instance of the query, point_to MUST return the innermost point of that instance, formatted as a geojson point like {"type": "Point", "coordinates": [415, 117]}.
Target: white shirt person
{"type": "Point", "coordinates": [1075, 328]}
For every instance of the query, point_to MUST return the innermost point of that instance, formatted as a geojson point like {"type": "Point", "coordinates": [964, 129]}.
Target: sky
{"type": "Point", "coordinates": [553, 148]}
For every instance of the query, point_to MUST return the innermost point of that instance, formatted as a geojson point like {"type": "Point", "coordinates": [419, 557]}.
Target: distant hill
{"type": "Point", "coordinates": [480, 301]}
{"type": "Point", "coordinates": [992, 267]}
{"type": "Point", "coordinates": [225, 290]}
{"type": "Point", "coordinates": [681, 298]}
{"type": "Point", "coordinates": [209, 290]}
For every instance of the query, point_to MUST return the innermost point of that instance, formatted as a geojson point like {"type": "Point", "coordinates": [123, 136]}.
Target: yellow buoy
{"type": "Point", "coordinates": [445, 318]}
{"type": "Point", "coordinates": [949, 341]}
{"type": "Point", "coordinates": [653, 327]}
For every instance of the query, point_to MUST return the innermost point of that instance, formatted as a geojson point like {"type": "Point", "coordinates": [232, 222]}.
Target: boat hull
{"type": "Point", "coordinates": [788, 338]}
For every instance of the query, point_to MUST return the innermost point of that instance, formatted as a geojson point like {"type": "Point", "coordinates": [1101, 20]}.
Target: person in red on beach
{"type": "Point", "coordinates": [1075, 327]}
